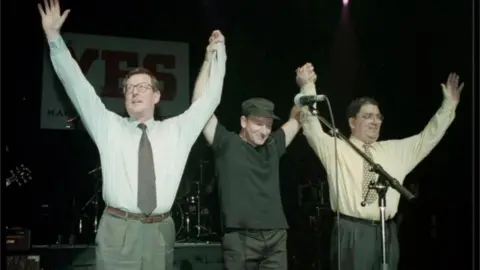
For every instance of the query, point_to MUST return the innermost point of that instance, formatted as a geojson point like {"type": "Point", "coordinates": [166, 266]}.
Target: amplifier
{"type": "Point", "coordinates": [17, 239]}
{"type": "Point", "coordinates": [30, 262]}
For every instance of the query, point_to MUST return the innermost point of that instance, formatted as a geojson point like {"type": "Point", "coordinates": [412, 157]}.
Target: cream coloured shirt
{"type": "Point", "coordinates": [397, 157]}
{"type": "Point", "coordinates": [118, 138]}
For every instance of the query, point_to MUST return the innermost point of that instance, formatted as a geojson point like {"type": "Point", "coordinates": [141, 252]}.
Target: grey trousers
{"type": "Point", "coordinates": [360, 245]}
{"type": "Point", "coordinates": [130, 244]}
{"type": "Point", "coordinates": [258, 249]}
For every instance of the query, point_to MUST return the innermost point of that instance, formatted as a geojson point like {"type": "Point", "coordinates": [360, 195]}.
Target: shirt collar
{"type": "Point", "coordinates": [361, 144]}
{"type": "Point", "coordinates": [134, 122]}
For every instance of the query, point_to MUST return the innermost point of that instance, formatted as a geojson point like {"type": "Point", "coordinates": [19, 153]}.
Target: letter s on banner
{"type": "Point", "coordinates": [105, 60]}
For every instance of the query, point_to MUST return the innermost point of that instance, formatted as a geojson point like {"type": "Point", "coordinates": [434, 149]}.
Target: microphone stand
{"type": "Point", "coordinates": [384, 181]}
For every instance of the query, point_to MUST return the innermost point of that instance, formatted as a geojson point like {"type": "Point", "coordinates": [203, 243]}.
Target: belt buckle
{"type": "Point", "coordinates": [146, 219]}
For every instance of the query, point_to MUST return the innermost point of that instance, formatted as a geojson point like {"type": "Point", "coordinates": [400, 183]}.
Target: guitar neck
{"type": "Point", "coordinates": [19, 174]}
{"type": "Point", "coordinates": [10, 180]}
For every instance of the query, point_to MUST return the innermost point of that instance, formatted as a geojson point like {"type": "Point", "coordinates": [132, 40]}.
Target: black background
{"type": "Point", "coordinates": [396, 51]}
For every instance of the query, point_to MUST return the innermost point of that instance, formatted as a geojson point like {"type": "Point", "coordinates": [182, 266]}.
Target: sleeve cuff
{"type": "Point", "coordinates": [308, 89]}
{"type": "Point", "coordinates": [449, 104]}
{"type": "Point", "coordinates": [57, 46]}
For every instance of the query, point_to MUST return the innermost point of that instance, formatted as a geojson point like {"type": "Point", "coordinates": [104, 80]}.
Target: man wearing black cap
{"type": "Point", "coordinates": [247, 165]}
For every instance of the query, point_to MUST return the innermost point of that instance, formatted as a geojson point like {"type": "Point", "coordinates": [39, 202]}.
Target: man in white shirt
{"type": "Point", "coordinates": [359, 227]}
{"type": "Point", "coordinates": [142, 159]}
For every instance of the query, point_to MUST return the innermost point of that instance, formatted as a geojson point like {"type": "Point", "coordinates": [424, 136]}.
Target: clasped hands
{"type": "Point", "coordinates": [216, 44]}
{"type": "Point", "coordinates": [306, 75]}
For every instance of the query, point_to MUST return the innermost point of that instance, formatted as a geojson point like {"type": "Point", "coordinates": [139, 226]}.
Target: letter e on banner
{"type": "Point", "coordinates": [151, 61]}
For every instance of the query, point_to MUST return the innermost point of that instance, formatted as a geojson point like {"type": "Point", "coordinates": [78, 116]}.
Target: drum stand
{"type": "Point", "coordinates": [94, 200]}
{"type": "Point", "coordinates": [197, 200]}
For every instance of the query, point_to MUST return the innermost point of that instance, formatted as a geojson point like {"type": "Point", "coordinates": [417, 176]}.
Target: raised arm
{"type": "Point", "coordinates": [207, 92]}
{"type": "Point", "coordinates": [83, 96]}
{"type": "Point", "coordinates": [414, 149]}
{"type": "Point", "coordinates": [292, 126]}
{"type": "Point", "coordinates": [201, 84]}
{"type": "Point", "coordinates": [319, 141]}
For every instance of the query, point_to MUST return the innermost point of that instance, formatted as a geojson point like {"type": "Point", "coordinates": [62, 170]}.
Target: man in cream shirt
{"type": "Point", "coordinates": [359, 227]}
{"type": "Point", "coordinates": [142, 159]}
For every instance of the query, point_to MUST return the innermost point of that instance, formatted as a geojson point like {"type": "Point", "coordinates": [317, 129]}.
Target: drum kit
{"type": "Point", "coordinates": [193, 219]}
{"type": "Point", "coordinates": [190, 212]}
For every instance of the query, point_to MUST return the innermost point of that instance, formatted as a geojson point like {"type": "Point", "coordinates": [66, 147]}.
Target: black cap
{"type": "Point", "coordinates": [259, 107]}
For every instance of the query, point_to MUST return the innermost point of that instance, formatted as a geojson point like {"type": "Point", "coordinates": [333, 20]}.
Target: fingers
{"type": "Point", "coordinates": [452, 80]}
{"type": "Point", "coordinates": [453, 77]}
{"type": "Point", "coordinates": [306, 68]}
{"type": "Point", "coordinates": [449, 79]}
{"type": "Point", "coordinates": [216, 37]}
{"type": "Point", "coordinates": [53, 4]}
{"type": "Point", "coordinates": [64, 16]}
{"type": "Point", "coordinates": [40, 9]}
{"type": "Point", "coordinates": [461, 87]}
{"type": "Point", "coordinates": [216, 33]}
{"type": "Point", "coordinates": [46, 6]}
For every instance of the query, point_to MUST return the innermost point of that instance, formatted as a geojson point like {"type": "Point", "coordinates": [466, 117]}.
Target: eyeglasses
{"type": "Point", "coordinates": [141, 88]}
{"type": "Point", "coordinates": [371, 116]}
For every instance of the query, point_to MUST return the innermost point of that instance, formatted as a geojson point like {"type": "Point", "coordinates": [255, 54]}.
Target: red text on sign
{"type": "Point", "coordinates": [114, 74]}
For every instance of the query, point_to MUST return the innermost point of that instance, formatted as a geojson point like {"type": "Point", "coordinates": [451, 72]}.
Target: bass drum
{"type": "Point", "coordinates": [178, 218]}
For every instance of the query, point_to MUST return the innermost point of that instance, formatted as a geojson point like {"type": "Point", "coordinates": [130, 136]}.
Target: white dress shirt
{"type": "Point", "coordinates": [118, 138]}
{"type": "Point", "coordinates": [397, 157]}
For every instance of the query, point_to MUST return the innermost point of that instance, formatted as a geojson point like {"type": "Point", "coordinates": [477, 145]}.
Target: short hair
{"type": "Point", "coordinates": [357, 104]}
{"type": "Point", "coordinates": [142, 70]}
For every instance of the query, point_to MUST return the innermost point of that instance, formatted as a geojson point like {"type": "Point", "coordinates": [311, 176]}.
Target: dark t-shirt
{"type": "Point", "coordinates": [248, 178]}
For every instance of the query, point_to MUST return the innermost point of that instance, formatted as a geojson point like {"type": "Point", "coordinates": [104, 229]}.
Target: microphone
{"type": "Point", "coordinates": [307, 100]}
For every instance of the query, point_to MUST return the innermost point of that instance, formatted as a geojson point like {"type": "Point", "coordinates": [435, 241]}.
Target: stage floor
{"type": "Point", "coordinates": [202, 256]}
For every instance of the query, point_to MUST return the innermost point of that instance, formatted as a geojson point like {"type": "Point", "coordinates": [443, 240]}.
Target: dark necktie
{"type": "Point", "coordinates": [147, 194]}
{"type": "Point", "coordinates": [368, 177]}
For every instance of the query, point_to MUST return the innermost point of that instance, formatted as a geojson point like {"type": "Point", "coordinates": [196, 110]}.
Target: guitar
{"type": "Point", "coordinates": [20, 174]}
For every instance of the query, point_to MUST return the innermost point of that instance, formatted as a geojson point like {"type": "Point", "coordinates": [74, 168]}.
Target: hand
{"type": "Point", "coordinates": [451, 89]}
{"type": "Point", "coordinates": [52, 21]}
{"type": "Point", "coordinates": [216, 39]}
{"type": "Point", "coordinates": [305, 75]}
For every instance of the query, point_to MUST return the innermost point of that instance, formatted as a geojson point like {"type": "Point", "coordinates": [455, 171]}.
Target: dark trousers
{"type": "Point", "coordinates": [255, 249]}
{"type": "Point", "coordinates": [360, 245]}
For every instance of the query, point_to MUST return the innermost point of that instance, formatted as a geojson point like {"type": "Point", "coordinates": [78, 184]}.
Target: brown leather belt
{"type": "Point", "coordinates": [140, 217]}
